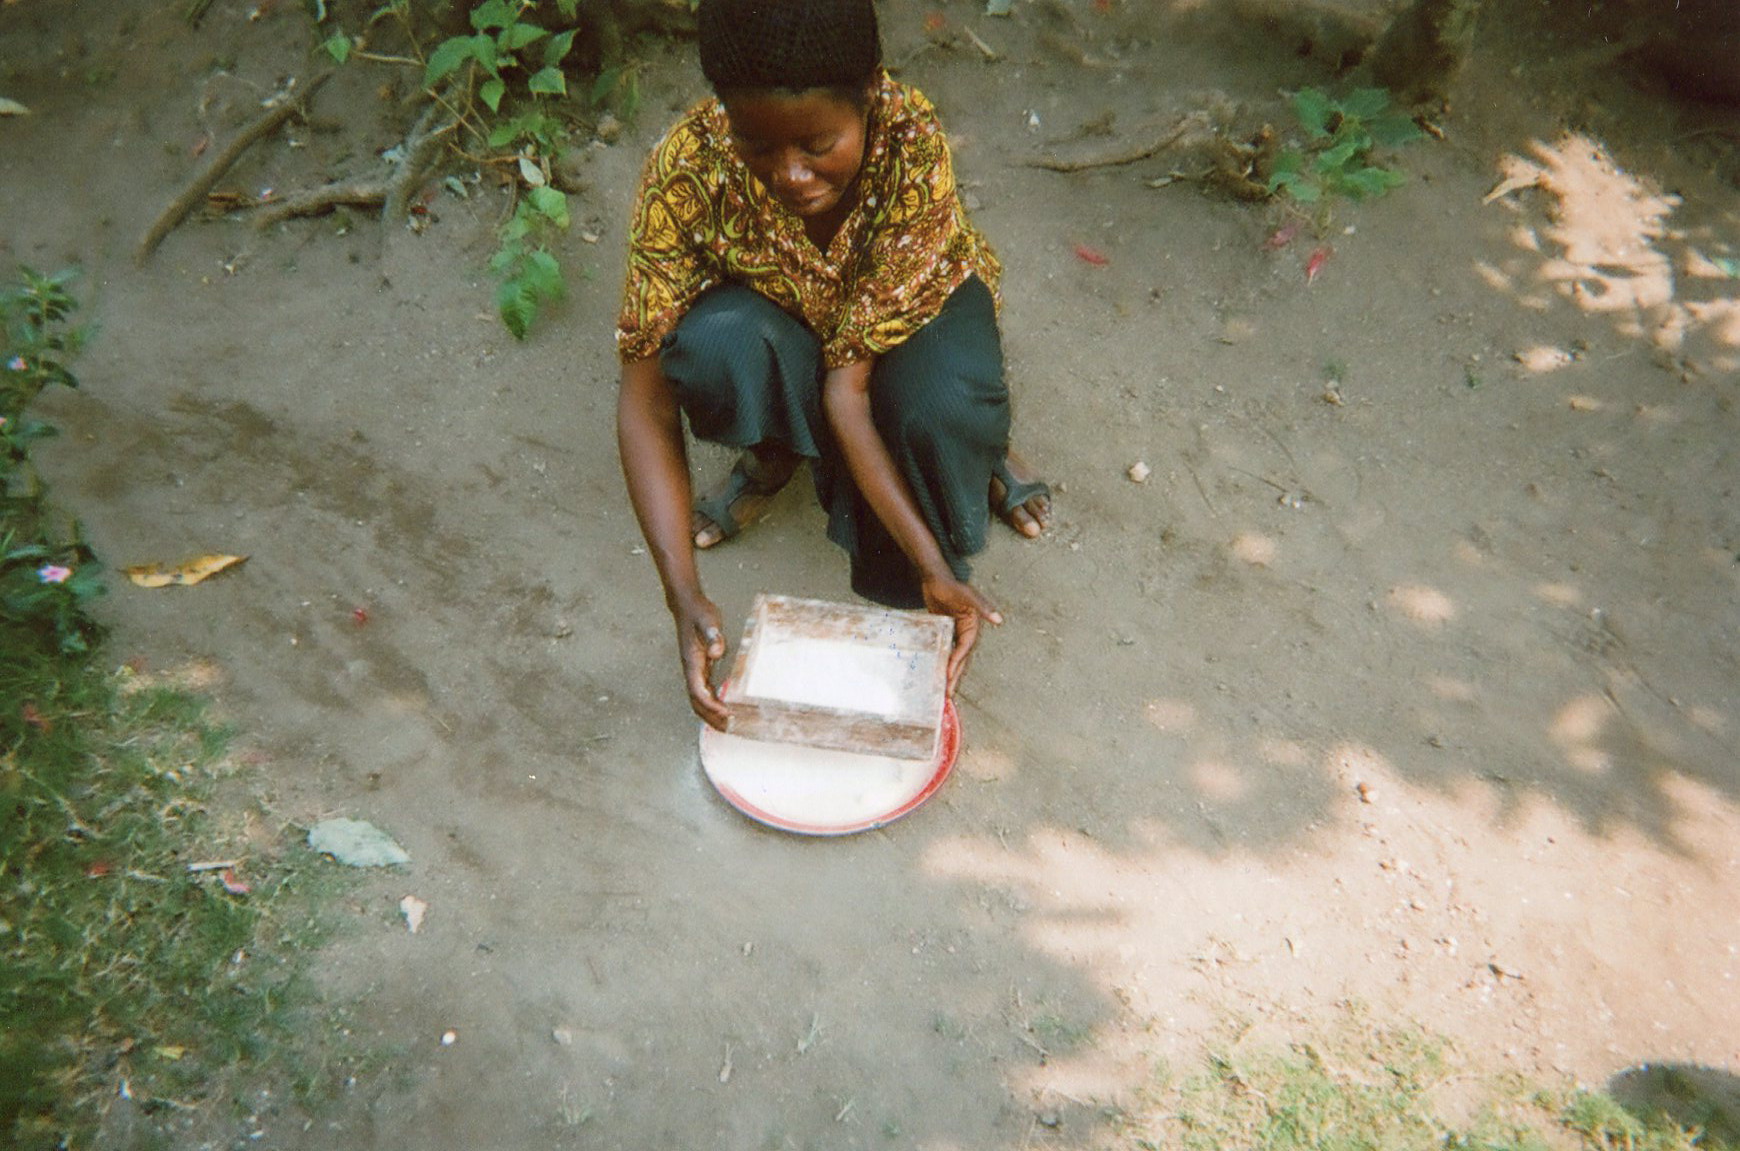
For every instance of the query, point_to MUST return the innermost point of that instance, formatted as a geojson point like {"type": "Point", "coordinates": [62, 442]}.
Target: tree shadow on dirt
{"type": "Point", "coordinates": [1705, 1098]}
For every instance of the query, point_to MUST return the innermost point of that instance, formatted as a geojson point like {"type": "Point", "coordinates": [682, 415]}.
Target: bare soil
{"type": "Point", "coordinates": [1408, 676]}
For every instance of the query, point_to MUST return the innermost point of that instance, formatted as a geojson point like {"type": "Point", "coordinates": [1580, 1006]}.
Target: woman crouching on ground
{"type": "Point", "coordinates": [803, 284]}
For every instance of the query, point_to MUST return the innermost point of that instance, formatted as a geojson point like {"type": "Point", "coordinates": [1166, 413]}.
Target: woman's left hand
{"type": "Point", "coordinates": [966, 606]}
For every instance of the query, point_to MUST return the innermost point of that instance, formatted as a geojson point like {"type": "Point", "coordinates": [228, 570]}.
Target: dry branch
{"type": "Point", "coordinates": [1128, 154]}
{"type": "Point", "coordinates": [355, 193]}
{"type": "Point", "coordinates": [288, 105]}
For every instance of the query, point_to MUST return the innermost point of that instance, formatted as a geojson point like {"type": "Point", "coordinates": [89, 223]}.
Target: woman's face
{"type": "Point", "coordinates": [805, 149]}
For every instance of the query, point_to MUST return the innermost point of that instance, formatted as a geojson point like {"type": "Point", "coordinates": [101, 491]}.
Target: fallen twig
{"type": "Point", "coordinates": [990, 53]}
{"type": "Point", "coordinates": [355, 193]}
{"type": "Point", "coordinates": [1125, 155]}
{"type": "Point", "coordinates": [288, 104]}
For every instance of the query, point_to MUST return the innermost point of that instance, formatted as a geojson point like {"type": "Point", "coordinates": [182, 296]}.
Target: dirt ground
{"type": "Point", "coordinates": [1407, 677]}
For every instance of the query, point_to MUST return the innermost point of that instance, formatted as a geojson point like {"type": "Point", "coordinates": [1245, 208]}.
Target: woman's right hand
{"type": "Point", "coordinates": [967, 606]}
{"type": "Point", "coordinates": [701, 643]}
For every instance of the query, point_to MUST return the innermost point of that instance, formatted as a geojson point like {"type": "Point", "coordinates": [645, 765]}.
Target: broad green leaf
{"type": "Point", "coordinates": [514, 229]}
{"type": "Point", "coordinates": [1314, 109]}
{"type": "Point", "coordinates": [484, 50]}
{"type": "Point", "coordinates": [547, 82]}
{"type": "Point", "coordinates": [1364, 182]}
{"type": "Point", "coordinates": [517, 36]}
{"type": "Point", "coordinates": [551, 203]}
{"type": "Point", "coordinates": [558, 46]}
{"type": "Point", "coordinates": [1394, 130]}
{"type": "Point", "coordinates": [492, 14]}
{"type": "Point", "coordinates": [1351, 132]}
{"type": "Point", "coordinates": [568, 8]}
{"type": "Point", "coordinates": [448, 55]}
{"type": "Point", "coordinates": [1288, 163]}
{"type": "Point", "coordinates": [1365, 103]}
{"type": "Point", "coordinates": [501, 135]}
{"type": "Point", "coordinates": [543, 276]}
{"type": "Point", "coordinates": [337, 46]}
{"type": "Point", "coordinates": [492, 91]}
{"type": "Point", "coordinates": [630, 102]}
{"type": "Point", "coordinates": [1337, 157]}
{"type": "Point", "coordinates": [504, 259]}
{"type": "Point", "coordinates": [517, 306]}
{"type": "Point", "coordinates": [605, 84]}
{"type": "Point", "coordinates": [1304, 191]}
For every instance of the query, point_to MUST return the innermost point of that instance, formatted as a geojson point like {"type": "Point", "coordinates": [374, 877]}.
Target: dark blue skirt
{"type": "Point", "coordinates": [746, 372]}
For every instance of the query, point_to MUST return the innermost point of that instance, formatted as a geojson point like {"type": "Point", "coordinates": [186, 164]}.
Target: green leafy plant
{"type": "Point", "coordinates": [530, 275]}
{"type": "Point", "coordinates": [1341, 134]}
{"type": "Point", "coordinates": [618, 88]}
{"type": "Point", "coordinates": [501, 82]}
{"type": "Point", "coordinates": [47, 573]}
{"type": "Point", "coordinates": [521, 65]}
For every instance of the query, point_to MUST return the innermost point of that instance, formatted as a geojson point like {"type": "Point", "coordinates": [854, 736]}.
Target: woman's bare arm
{"type": "Point", "coordinates": [649, 436]}
{"type": "Point", "coordinates": [846, 400]}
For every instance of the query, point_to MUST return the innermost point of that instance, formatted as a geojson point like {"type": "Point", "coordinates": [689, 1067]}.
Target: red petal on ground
{"type": "Point", "coordinates": [1315, 264]}
{"type": "Point", "coordinates": [231, 884]}
{"type": "Point", "coordinates": [1282, 236]}
{"type": "Point", "coordinates": [35, 718]}
{"type": "Point", "coordinates": [359, 616]}
{"type": "Point", "coordinates": [1091, 256]}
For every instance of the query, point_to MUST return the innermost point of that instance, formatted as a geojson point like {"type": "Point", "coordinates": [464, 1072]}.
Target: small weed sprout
{"type": "Point", "coordinates": [506, 47]}
{"type": "Point", "coordinates": [1340, 137]}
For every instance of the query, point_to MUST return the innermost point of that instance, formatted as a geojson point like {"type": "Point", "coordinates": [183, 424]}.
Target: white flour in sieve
{"type": "Point", "coordinates": [831, 673]}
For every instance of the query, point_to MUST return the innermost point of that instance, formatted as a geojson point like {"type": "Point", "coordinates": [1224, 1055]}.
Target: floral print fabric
{"type": "Point", "coordinates": [701, 219]}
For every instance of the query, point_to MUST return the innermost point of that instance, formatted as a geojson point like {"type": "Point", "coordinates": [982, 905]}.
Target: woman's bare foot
{"type": "Point", "coordinates": [1030, 515]}
{"type": "Point", "coordinates": [742, 496]}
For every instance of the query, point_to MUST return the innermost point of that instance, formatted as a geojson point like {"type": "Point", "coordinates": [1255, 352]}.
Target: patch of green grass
{"type": "Point", "coordinates": [1059, 1033]}
{"type": "Point", "coordinates": [1369, 1088]}
{"type": "Point", "coordinates": [123, 972]}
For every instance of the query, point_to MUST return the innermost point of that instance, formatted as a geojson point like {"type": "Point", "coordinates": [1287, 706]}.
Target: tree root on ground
{"type": "Point", "coordinates": [1202, 127]}
{"type": "Point", "coordinates": [1127, 154]}
{"type": "Point", "coordinates": [288, 104]}
{"type": "Point", "coordinates": [391, 191]}
{"type": "Point", "coordinates": [319, 201]}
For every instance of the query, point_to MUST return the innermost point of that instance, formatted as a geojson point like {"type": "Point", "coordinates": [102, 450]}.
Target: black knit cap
{"type": "Point", "coordinates": [788, 45]}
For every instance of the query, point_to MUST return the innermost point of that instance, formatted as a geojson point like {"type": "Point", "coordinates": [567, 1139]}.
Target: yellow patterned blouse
{"type": "Point", "coordinates": [701, 219]}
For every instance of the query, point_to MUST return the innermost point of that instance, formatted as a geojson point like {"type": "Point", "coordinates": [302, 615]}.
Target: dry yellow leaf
{"type": "Point", "coordinates": [186, 575]}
